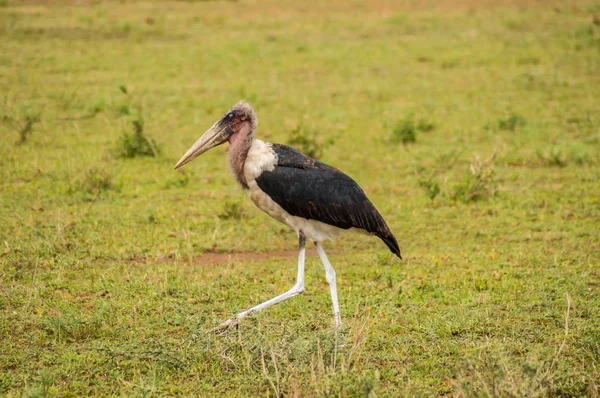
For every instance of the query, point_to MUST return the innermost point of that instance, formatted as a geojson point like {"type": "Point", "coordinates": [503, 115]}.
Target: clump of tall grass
{"type": "Point", "coordinates": [232, 210]}
{"type": "Point", "coordinates": [405, 130]}
{"type": "Point", "coordinates": [478, 183]}
{"type": "Point", "coordinates": [512, 122]}
{"type": "Point", "coordinates": [137, 143]}
{"type": "Point", "coordinates": [306, 142]}
{"type": "Point", "coordinates": [24, 124]}
{"type": "Point", "coordinates": [26, 128]}
{"type": "Point", "coordinates": [552, 157]}
{"type": "Point", "coordinates": [430, 187]}
{"type": "Point", "coordinates": [562, 156]}
{"type": "Point", "coordinates": [92, 182]}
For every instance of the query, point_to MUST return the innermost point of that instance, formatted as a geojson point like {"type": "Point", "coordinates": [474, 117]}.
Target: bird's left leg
{"type": "Point", "coordinates": [330, 275]}
{"type": "Point", "coordinates": [297, 289]}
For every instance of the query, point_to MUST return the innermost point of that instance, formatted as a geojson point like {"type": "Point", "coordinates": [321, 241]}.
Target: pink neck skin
{"type": "Point", "coordinates": [239, 145]}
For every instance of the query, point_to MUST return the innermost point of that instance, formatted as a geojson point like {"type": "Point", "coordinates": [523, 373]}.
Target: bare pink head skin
{"type": "Point", "coordinates": [237, 126]}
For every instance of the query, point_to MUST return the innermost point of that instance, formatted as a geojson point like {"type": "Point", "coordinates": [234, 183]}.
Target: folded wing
{"type": "Point", "coordinates": [313, 190]}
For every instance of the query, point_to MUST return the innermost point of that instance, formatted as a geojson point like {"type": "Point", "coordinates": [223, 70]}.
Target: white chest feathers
{"type": "Point", "coordinates": [261, 157]}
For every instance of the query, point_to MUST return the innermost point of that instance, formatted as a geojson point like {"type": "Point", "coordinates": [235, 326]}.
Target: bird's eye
{"type": "Point", "coordinates": [230, 115]}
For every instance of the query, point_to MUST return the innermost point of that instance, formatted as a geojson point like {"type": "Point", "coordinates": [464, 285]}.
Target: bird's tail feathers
{"type": "Point", "coordinates": [392, 243]}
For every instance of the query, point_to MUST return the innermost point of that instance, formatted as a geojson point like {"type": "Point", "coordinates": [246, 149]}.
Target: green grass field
{"type": "Point", "coordinates": [474, 127]}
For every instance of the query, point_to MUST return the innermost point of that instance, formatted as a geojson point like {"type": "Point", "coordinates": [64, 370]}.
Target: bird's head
{"type": "Point", "coordinates": [240, 120]}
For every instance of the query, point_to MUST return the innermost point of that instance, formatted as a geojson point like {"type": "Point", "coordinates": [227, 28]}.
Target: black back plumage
{"type": "Point", "coordinates": [305, 187]}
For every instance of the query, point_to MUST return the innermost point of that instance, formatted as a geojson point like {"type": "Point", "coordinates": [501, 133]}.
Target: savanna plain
{"type": "Point", "coordinates": [473, 126]}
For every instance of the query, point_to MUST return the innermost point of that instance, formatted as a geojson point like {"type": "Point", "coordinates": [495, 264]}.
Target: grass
{"type": "Point", "coordinates": [405, 130]}
{"type": "Point", "coordinates": [308, 142]}
{"type": "Point", "coordinates": [114, 268]}
{"type": "Point", "coordinates": [136, 143]}
{"type": "Point", "coordinates": [512, 122]}
{"type": "Point", "coordinates": [479, 182]}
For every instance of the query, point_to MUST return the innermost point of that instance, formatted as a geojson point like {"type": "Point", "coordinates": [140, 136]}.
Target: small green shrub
{"type": "Point", "coordinates": [478, 183]}
{"type": "Point", "coordinates": [93, 181]}
{"type": "Point", "coordinates": [552, 157]}
{"type": "Point", "coordinates": [427, 181]}
{"type": "Point", "coordinates": [405, 130]}
{"type": "Point", "coordinates": [232, 210]}
{"type": "Point", "coordinates": [557, 156]}
{"type": "Point", "coordinates": [512, 122]}
{"type": "Point", "coordinates": [307, 142]}
{"type": "Point", "coordinates": [137, 143]}
{"type": "Point", "coordinates": [26, 128]}
{"type": "Point", "coordinates": [430, 187]}
{"type": "Point", "coordinates": [124, 106]}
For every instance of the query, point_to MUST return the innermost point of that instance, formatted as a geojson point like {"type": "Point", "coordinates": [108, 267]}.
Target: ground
{"type": "Point", "coordinates": [472, 126]}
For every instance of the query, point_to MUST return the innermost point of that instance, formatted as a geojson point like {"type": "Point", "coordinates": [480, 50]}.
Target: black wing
{"type": "Point", "coordinates": [307, 188]}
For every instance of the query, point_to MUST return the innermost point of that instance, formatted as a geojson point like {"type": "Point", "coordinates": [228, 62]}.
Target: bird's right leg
{"type": "Point", "coordinates": [294, 291]}
{"type": "Point", "coordinates": [330, 275]}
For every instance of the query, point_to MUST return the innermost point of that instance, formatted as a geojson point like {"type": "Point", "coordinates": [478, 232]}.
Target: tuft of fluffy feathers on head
{"type": "Point", "coordinates": [244, 108]}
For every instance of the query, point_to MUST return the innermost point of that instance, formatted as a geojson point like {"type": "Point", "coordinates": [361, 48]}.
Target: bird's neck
{"type": "Point", "coordinates": [239, 145]}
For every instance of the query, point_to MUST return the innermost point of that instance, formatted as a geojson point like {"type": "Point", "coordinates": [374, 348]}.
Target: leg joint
{"type": "Point", "coordinates": [330, 275]}
{"type": "Point", "coordinates": [301, 239]}
{"type": "Point", "coordinates": [299, 289]}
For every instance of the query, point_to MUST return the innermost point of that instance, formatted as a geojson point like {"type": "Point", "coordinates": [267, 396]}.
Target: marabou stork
{"type": "Point", "coordinates": [317, 201]}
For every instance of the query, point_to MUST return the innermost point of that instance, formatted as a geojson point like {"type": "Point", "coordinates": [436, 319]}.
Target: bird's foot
{"type": "Point", "coordinates": [340, 333]}
{"type": "Point", "coordinates": [340, 337]}
{"type": "Point", "coordinates": [338, 321]}
{"type": "Point", "coordinates": [228, 324]}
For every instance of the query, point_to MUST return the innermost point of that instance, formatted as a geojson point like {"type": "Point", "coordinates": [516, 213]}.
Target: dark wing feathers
{"type": "Point", "coordinates": [307, 188]}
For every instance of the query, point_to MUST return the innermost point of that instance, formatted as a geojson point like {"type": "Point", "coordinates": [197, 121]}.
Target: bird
{"type": "Point", "coordinates": [316, 200]}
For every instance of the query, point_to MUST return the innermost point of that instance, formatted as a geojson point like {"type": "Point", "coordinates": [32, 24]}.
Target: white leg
{"type": "Point", "coordinates": [294, 291]}
{"type": "Point", "coordinates": [330, 275]}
